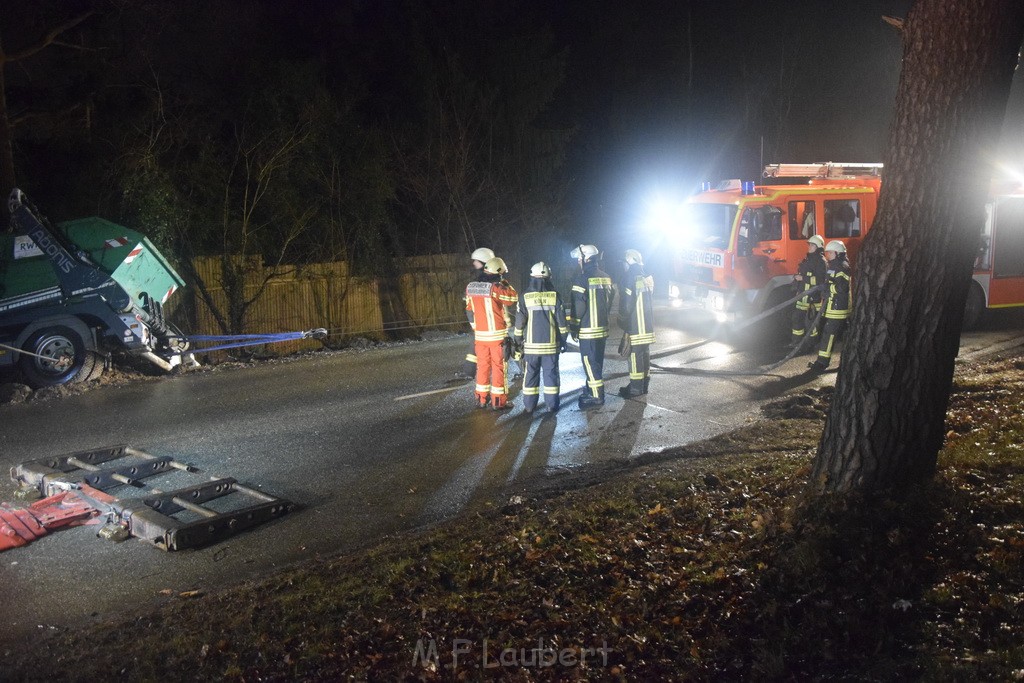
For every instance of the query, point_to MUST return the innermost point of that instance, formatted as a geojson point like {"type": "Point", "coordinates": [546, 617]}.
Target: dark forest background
{"type": "Point", "coordinates": [366, 130]}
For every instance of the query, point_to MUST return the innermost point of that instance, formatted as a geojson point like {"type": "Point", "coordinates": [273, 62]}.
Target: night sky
{"type": "Point", "coordinates": [663, 92]}
{"type": "Point", "coordinates": [828, 70]}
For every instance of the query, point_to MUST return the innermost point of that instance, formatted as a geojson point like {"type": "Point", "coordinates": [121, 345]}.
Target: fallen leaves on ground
{"type": "Point", "coordinates": [708, 563]}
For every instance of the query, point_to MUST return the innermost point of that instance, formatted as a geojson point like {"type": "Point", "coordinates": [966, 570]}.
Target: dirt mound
{"type": "Point", "coordinates": [15, 392]}
{"type": "Point", "coordinates": [811, 404]}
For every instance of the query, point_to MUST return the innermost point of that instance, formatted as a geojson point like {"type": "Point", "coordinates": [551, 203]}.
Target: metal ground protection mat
{"type": "Point", "coordinates": [191, 516]}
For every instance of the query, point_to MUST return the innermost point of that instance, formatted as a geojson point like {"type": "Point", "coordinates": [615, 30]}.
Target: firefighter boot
{"type": "Point", "coordinates": [631, 391]}
{"type": "Point", "coordinates": [529, 404]}
{"type": "Point", "coordinates": [587, 402]}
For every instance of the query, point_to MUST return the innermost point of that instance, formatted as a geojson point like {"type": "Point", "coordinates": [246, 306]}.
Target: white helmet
{"type": "Point", "coordinates": [483, 255]}
{"type": "Point", "coordinates": [584, 251]}
{"type": "Point", "coordinates": [836, 246]}
{"type": "Point", "coordinates": [495, 266]}
{"type": "Point", "coordinates": [633, 257]}
{"type": "Point", "coordinates": [540, 269]}
{"type": "Point", "coordinates": [817, 241]}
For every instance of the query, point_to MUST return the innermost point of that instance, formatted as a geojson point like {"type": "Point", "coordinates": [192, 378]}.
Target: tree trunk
{"type": "Point", "coordinates": [886, 422]}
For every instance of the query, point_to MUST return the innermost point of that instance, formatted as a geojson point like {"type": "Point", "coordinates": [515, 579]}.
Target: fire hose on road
{"type": "Point", "coordinates": [745, 324]}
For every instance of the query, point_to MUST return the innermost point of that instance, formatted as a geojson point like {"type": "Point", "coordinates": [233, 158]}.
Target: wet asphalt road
{"type": "Point", "coordinates": [369, 443]}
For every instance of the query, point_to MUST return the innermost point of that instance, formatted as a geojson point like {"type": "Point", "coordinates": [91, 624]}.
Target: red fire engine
{"type": "Point", "coordinates": [741, 242]}
{"type": "Point", "coordinates": [999, 267]}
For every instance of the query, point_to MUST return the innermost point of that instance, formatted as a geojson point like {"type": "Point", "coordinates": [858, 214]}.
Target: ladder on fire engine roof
{"type": "Point", "coordinates": [828, 169]}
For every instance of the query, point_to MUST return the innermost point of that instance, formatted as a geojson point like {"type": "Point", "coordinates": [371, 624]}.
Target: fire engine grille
{"type": "Point", "coordinates": [698, 274]}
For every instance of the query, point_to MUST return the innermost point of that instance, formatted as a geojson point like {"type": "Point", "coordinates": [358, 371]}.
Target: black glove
{"type": "Point", "coordinates": [517, 350]}
{"type": "Point", "coordinates": [562, 346]}
{"type": "Point", "coordinates": [574, 332]}
{"type": "Point", "coordinates": [506, 348]}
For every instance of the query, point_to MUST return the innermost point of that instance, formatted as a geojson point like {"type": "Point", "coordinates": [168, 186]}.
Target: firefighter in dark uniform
{"type": "Point", "coordinates": [540, 331]}
{"type": "Point", "coordinates": [810, 273]}
{"type": "Point", "coordinates": [636, 315]}
{"type": "Point", "coordinates": [592, 295]}
{"type": "Point", "coordinates": [837, 302]}
{"type": "Point", "coordinates": [479, 257]}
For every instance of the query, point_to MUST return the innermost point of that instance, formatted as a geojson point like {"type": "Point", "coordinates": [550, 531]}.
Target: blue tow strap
{"type": "Point", "coordinates": [234, 341]}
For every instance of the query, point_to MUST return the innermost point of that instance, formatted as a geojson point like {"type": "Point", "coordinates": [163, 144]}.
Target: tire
{"type": "Point", "coordinates": [72, 359]}
{"type": "Point", "coordinates": [974, 310]}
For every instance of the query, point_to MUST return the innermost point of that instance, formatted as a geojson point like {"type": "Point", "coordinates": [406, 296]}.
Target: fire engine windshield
{"type": "Point", "coordinates": [708, 225]}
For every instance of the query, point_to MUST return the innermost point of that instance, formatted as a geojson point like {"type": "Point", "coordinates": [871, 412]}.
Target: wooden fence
{"type": "Point", "coordinates": [427, 293]}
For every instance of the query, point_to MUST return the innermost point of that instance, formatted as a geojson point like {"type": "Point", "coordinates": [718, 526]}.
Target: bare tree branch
{"type": "Point", "coordinates": [47, 40]}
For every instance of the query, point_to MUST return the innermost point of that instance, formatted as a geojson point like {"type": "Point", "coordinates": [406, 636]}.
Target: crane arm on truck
{"type": "Point", "coordinates": [64, 308]}
{"type": "Point", "coordinates": [71, 294]}
{"type": "Point", "coordinates": [76, 274]}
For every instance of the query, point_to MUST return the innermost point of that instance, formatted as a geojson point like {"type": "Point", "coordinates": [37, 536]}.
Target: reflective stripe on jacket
{"type": "Point", "coordinates": [636, 306]}
{"type": "Point", "coordinates": [592, 295]}
{"type": "Point", "coordinates": [813, 270]}
{"type": "Point", "coordinates": [839, 304]}
{"type": "Point", "coordinates": [541, 322]}
{"type": "Point", "coordinates": [487, 308]}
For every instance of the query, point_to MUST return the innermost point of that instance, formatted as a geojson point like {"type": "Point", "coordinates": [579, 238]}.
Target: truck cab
{"type": "Point", "coordinates": [73, 293]}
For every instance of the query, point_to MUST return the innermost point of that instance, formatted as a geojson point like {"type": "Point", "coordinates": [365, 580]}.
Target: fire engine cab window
{"type": "Point", "coordinates": [708, 225]}
{"type": "Point", "coordinates": [761, 224]}
{"type": "Point", "coordinates": [801, 220]}
{"type": "Point", "coordinates": [842, 218]}
{"type": "Point", "coordinates": [1008, 254]}
{"type": "Point", "coordinates": [983, 257]}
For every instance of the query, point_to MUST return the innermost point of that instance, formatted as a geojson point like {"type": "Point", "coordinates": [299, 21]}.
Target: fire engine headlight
{"type": "Point", "coordinates": [717, 301]}
{"type": "Point", "coordinates": [673, 291]}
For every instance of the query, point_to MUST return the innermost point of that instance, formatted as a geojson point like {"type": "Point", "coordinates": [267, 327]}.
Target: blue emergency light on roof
{"type": "Point", "coordinates": [748, 187]}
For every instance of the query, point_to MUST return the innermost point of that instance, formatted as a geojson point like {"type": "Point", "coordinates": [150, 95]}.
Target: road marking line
{"type": "Point", "coordinates": [428, 393]}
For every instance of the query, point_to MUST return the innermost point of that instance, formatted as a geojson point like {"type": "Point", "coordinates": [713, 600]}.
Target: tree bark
{"type": "Point", "coordinates": [886, 422]}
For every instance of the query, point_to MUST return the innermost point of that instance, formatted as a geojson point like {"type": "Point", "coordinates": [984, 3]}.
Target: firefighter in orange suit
{"type": "Point", "coordinates": [479, 257]}
{"type": "Point", "coordinates": [592, 295]}
{"type": "Point", "coordinates": [488, 301]}
{"type": "Point", "coordinates": [540, 334]}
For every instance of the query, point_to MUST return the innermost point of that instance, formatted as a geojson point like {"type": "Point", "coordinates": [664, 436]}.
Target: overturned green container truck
{"type": "Point", "coordinates": [73, 294]}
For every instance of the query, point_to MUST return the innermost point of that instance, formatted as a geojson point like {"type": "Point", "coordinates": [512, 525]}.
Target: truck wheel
{"type": "Point", "coordinates": [975, 308]}
{"type": "Point", "coordinates": [61, 356]}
